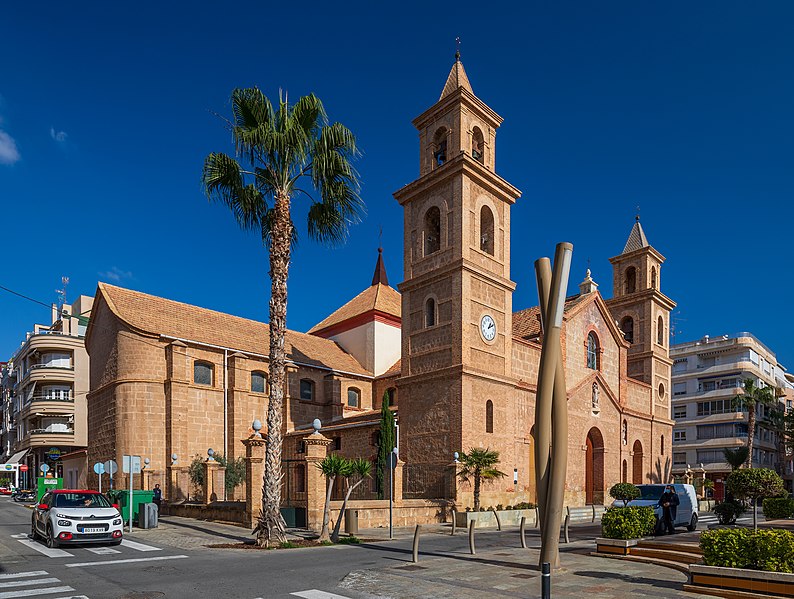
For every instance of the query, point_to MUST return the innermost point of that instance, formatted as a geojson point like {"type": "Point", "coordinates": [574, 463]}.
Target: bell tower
{"type": "Point", "coordinates": [456, 373]}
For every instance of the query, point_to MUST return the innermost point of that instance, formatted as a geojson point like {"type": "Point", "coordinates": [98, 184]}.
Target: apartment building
{"type": "Point", "coordinates": [44, 389]}
{"type": "Point", "coordinates": [707, 376]}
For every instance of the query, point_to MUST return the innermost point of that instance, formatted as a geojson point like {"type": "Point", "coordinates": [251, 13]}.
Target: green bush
{"type": "Point", "coordinates": [351, 540]}
{"type": "Point", "coordinates": [754, 483]}
{"type": "Point", "coordinates": [778, 507]}
{"type": "Point", "coordinates": [728, 511]}
{"type": "Point", "coordinates": [525, 505]}
{"type": "Point", "coordinates": [624, 492]}
{"type": "Point", "coordinates": [769, 550]}
{"type": "Point", "coordinates": [628, 522]}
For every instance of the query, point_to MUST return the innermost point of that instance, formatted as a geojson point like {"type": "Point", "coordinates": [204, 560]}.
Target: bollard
{"type": "Point", "coordinates": [498, 521]}
{"type": "Point", "coordinates": [521, 530]}
{"type": "Point", "coordinates": [545, 581]}
{"type": "Point", "coordinates": [454, 518]}
{"type": "Point", "coordinates": [415, 557]}
{"type": "Point", "coordinates": [471, 536]}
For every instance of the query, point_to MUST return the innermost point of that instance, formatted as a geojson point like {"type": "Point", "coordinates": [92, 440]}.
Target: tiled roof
{"type": "Point", "coordinates": [457, 78]}
{"type": "Point", "coordinates": [526, 323]}
{"type": "Point", "coordinates": [380, 298]}
{"type": "Point", "coordinates": [160, 316]}
{"type": "Point", "coordinates": [395, 369]}
{"type": "Point", "coordinates": [637, 239]}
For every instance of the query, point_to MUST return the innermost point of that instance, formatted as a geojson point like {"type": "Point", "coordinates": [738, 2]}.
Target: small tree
{"type": "Point", "coordinates": [234, 474]}
{"type": "Point", "coordinates": [754, 484]}
{"type": "Point", "coordinates": [385, 445]}
{"type": "Point", "coordinates": [357, 470]}
{"type": "Point", "coordinates": [736, 457]}
{"type": "Point", "coordinates": [479, 464]}
{"type": "Point", "coordinates": [624, 492]}
{"type": "Point", "coordinates": [195, 473]}
{"type": "Point", "coordinates": [332, 466]}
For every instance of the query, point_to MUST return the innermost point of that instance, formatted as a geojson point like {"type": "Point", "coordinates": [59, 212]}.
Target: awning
{"type": "Point", "coordinates": [14, 459]}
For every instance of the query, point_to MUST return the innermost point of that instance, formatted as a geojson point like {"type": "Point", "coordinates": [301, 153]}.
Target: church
{"type": "Point", "coordinates": [446, 349]}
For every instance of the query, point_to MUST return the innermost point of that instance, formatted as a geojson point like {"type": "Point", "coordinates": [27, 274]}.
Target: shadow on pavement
{"type": "Point", "coordinates": [654, 582]}
{"type": "Point", "coordinates": [214, 533]}
{"type": "Point", "coordinates": [463, 557]}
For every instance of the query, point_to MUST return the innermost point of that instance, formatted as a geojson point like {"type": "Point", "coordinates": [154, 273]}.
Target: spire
{"type": "Point", "coordinates": [380, 278]}
{"type": "Point", "coordinates": [637, 239]}
{"type": "Point", "coordinates": [588, 285]}
{"type": "Point", "coordinates": [457, 78]}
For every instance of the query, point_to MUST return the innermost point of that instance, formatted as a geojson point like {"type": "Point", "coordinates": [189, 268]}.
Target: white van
{"type": "Point", "coordinates": [686, 513]}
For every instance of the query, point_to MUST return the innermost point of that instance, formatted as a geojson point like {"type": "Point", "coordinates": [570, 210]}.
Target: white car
{"type": "Point", "coordinates": [71, 516]}
{"type": "Point", "coordinates": [686, 513]}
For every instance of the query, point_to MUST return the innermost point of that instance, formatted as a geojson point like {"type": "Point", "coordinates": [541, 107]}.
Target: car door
{"type": "Point", "coordinates": [41, 514]}
{"type": "Point", "coordinates": [684, 512]}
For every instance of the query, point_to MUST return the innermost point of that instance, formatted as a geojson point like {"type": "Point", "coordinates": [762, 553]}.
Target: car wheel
{"type": "Point", "coordinates": [693, 524]}
{"type": "Point", "coordinates": [34, 534]}
{"type": "Point", "coordinates": [51, 542]}
{"type": "Point", "coordinates": [116, 543]}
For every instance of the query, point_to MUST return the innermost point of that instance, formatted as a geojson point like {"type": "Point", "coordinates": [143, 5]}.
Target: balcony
{"type": "Point", "coordinates": [39, 437]}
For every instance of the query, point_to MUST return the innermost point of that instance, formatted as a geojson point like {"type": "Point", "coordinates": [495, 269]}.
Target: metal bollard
{"type": "Point", "coordinates": [545, 581]}
{"type": "Point", "coordinates": [415, 555]}
{"type": "Point", "coordinates": [521, 531]}
{"type": "Point", "coordinates": [454, 519]}
{"type": "Point", "coordinates": [498, 521]}
{"type": "Point", "coordinates": [471, 536]}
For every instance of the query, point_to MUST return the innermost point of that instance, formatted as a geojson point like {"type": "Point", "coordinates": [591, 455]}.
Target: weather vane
{"type": "Point", "coordinates": [457, 48]}
{"type": "Point", "coordinates": [637, 218]}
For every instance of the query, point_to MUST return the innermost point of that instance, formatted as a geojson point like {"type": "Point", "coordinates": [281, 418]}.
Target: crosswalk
{"type": "Point", "coordinates": [36, 583]}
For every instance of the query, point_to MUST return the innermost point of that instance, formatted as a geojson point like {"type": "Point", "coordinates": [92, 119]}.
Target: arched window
{"type": "Point", "coordinates": [432, 230]}
{"type": "Point", "coordinates": [486, 230]}
{"type": "Point", "coordinates": [354, 398]}
{"type": "Point", "coordinates": [653, 277]}
{"type": "Point", "coordinates": [489, 416]}
{"type": "Point", "coordinates": [660, 331]}
{"type": "Point", "coordinates": [258, 380]}
{"type": "Point", "coordinates": [430, 312]}
{"type": "Point", "coordinates": [440, 147]}
{"type": "Point", "coordinates": [391, 395]}
{"type": "Point", "coordinates": [592, 351]}
{"type": "Point", "coordinates": [477, 145]}
{"type": "Point", "coordinates": [202, 373]}
{"type": "Point", "coordinates": [307, 390]}
{"type": "Point", "coordinates": [662, 446]}
{"type": "Point", "coordinates": [627, 326]}
{"type": "Point", "coordinates": [631, 279]}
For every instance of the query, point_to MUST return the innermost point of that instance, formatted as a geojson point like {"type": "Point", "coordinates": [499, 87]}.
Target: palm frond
{"type": "Point", "coordinates": [223, 182]}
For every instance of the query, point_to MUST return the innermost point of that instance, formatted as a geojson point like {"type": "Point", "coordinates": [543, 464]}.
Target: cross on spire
{"type": "Point", "coordinates": [457, 48]}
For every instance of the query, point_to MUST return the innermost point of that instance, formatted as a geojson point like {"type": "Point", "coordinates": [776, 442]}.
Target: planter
{"type": "Point", "coordinates": [616, 546]}
{"type": "Point", "coordinates": [706, 505]}
{"type": "Point", "coordinates": [776, 584]}
{"type": "Point", "coordinates": [487, 519]}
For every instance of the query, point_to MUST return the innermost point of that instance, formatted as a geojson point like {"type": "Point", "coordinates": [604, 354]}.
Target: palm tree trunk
{"type": "Point", "coordinates": [271, 526]}
{"type": "Point", "coordinates": [327, 511]}
{"type": "Point", "coordinates": [477, 490]}
{"type": "Point", "coordinates": [750, 432]}
{"type": "Point", "coordinates": [338, 525]}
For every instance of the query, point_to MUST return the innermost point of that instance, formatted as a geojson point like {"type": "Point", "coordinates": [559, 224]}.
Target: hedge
{"type": "Point", "coordinates": [778, 507]}
{"type": "Point", "coordinates": [770, 550]}
{"type": "Point", "coordinates": [628, 522]}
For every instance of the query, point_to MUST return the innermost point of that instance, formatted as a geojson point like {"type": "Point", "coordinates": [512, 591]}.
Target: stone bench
{"type": "Point", "coordinates": [580, 515]}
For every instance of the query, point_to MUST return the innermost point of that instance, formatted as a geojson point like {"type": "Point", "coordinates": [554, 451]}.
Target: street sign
{"type": "Point", "coordinates": [8, 466]}
{"type": "Point", "coordinates": [54, 454]}
{"type": "Point", "coordinates": [99, 468]}
{"type": "Point", "coordinates": [44, 468]}
{"type": "Point", "coordinates": [131, 463]}
{"type": "Point", "coordinates": [111, 467]}
{"type": "Point", "coordinates": [23, 468]}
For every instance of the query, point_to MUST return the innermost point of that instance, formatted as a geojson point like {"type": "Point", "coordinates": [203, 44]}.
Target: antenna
{"type": "Point", "coordinates": [62, 295]}
{"type": "Point", "coordinates": [674, 320]}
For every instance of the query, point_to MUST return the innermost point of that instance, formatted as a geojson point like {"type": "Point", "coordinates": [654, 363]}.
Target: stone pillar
{"type": "Point", "coordinates": [254, 473]}
{"type": "Point", "coordinates": [214, 481]}
{"type": "Point", "coordinates": [174, 490]}
{"type": "Point", "coordinates": [398, 482]}
{"type": "Point", "coordinates": [316, 451]}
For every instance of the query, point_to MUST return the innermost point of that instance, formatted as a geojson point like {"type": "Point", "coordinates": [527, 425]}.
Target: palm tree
{"type": "Point", "coordinates": [479, 464]}
{"type": "Point", "coordinates": [752, 396]}
{"type": "Point", "coordinates": [736, 457]}
{"type": "Point", "coordinates": [276, 150]}
{"type": "Point", "coordinates": [358, 469]}
{"type": "Point", "coordinates": [332, 467]}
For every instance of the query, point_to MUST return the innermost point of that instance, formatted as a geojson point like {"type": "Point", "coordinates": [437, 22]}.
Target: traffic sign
{"type": "Point", "coordinates": [8, 466]}
{"type": "Point", "coordinates": [99, 468]}
{"type": "Point", "coordinates": [23, 468]}
{"type": "Point", "coordinates": [131, 462]}
{"type": "Point", "coordinates": [44, 468]}
{"type": "Point", "coordinates": [111, 467]}
{"type": "Point", "coordinates": [54, 454]}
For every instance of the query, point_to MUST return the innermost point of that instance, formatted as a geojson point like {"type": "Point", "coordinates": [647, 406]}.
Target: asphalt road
{"type": "Point", "coordinates": [142, 570]}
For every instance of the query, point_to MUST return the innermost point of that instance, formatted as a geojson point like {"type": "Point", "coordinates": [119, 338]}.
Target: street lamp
{"type": "Point", "coordinates": [392, 465]}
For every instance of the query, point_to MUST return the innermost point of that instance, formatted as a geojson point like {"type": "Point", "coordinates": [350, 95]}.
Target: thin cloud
{"type": "Point", "coordinates": [8, 149]}
{"type": "Point", "coordinates": [116, 275]}
{"type": "Point", "coordinates": [59, 136]}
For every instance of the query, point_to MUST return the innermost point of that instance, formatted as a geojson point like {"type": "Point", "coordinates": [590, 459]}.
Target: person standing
{"type": "Point", "coordinates": [669, 502]}
{"type": "Point", "coordinates": [158, 496]}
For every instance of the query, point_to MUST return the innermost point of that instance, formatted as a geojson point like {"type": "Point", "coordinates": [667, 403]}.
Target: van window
{"type": "Point", "coordinates": [651, 492]}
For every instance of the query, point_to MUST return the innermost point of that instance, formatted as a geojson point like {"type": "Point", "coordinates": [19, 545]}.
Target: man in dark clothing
{"type": "Point", "coordinates": [669, 502]}
{"type": "Point", "coordinates": [158, 496]}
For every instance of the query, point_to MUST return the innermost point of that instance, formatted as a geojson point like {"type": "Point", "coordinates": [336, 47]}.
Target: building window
{"type": "Point", "coordinates": [661, 390]}
{"type": "Point", "coordinates": [679, 389]}
{"type": "Point", "coordinates": [660, 331]}
{"type": "Point", "coordinates": [202, 373]}
{"type": "Point", "coordinates": [679, 436]}
{"type": "Point", "coordinates": [627, 326]}
{"type": "Point", "coordinates": [592, 351]}
{"type": "Point", "coordinates": [337, 443]}
{"type": "Point", "coordinates": [354, 398]}
{"type": "Point", "coordinates": [631, 280]}
{"type": "Point", "coordinates": [391, 394]}
{"type": "Point", "coordinates": [680, 366]}
{"type": "Point", "coordinates": [486, 230]}
{"type": "Point", "coordinates": [432, 230]}
{"type": "Point", "coordinates": [718, 406]}
{"type": "Point", "coordinates": [710, 456]}
{"type": "Point", "coordinates": [440, 147]}
{"type": "Point", "coordinates": [258, 382]}
{"type": "Point", "coordinates": [489, 416]}
{"type": "Point", "coordinates": [679, 412]}
{"type": "Point", "coordinates": [430, 312]}
{"type": "Point", "coordinates": [662, 445]}
{"type": "Point", "coordinates": [477, 145]}
{"type": "Point", "coordinates": [624, 433]}
{"type": "Point", "coordinates": [679, 459]}
{"type": "Point", "coordinates": [653, 277]}
{"type": "Point", "coordinates": [307, 389]}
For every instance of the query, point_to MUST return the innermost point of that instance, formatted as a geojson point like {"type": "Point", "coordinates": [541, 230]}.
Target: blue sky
{"type": "Point", "coordinates": [682, 108]}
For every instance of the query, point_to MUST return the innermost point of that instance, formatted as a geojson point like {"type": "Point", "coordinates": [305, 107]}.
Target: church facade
{"type": "Point", "coordinates": [448, 351]}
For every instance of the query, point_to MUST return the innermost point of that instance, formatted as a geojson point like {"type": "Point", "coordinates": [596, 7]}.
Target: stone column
{"type": "Point", "coordinates": [214, 481]}
{"type": "Point", "coordinates": [254, 473]}
{"type": "Point", "coordinates": [316, 451]}
{"type": "Point", "coordinates": [398, 482]}
{"type": "Point", "coordinates": [174, 490]}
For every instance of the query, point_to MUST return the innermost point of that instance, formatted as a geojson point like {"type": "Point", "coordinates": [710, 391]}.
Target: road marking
{"type": "Point", "coordinates": [102, 550]}
{"type": "Point", "coordinates": [33, 592]}
{"type": "Point", "coordinates": [45, 550]}
{"type": "Point", "coordinates": [139, 546]}
{"type": "Point", "coordinates": [27, 583]}
{"type": "Point", "coordinates": [23, 535]}
{"type": "Point", "coordinates": [124, 561]}
{"type": "Point", "coordinates": [23, 574]}
{"type": "Point", "coordinates": [315, 594]}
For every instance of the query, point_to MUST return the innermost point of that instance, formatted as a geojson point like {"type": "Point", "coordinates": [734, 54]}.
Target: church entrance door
{"type": "Point", "coordinates": [594, 468]}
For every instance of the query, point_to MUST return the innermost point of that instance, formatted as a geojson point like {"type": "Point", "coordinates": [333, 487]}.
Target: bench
{"type": "Point", "coordinates": [577, 515]}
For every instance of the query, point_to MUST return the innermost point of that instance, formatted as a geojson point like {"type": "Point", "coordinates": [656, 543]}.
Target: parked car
{"type": "Point", "coordinates": [686, 513]}
{"type": "Point", "coordinates": [74, 516]}
{"type": "Point", "coordinates": [5, 491]}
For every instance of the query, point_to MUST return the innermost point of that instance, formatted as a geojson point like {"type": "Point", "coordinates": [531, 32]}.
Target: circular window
{"type": "Point", "coordinates": [661, 390]}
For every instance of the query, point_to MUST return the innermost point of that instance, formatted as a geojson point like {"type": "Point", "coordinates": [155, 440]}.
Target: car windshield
{"type": "Point", "coordinates": [89, 500]}
{"type": "Point", "coordinates": [650, 492]}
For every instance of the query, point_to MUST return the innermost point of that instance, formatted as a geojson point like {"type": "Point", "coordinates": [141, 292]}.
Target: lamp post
{"type": "Point", "coordinates": [392, 465]}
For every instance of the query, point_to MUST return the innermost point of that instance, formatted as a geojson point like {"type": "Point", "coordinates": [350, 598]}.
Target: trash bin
{"type": "Point", "coordinates": [351, 522]}
{"type": "Point", "coordinates": [122, 498]}
{"type": "Point", "coordinates": [147, 515]}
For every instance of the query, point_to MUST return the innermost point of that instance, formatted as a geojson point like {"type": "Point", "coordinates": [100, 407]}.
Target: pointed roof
{"type": "Point", "coordinates": [457, 78]}
{"type": "Point", "coordinates": [380, 270]}
{"type": "Point", "coordinates": [637, 239]}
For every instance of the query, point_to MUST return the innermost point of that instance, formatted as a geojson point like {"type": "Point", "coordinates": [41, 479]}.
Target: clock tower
{"type": "Point", "coordinates": [456, 386]}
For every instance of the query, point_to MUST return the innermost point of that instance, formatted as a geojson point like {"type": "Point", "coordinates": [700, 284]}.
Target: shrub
{"type": "Point", "coordinates": [769, 550]}
{"type": "Point", "coordinates": [627, 522]}
{"type": "Point", "coordinates": [728, 511]}
{"type": "Point", "coordinates": [754, 483]}
{"type": "Point", "coordinates": [524, 505]}
{"type": "Point", "coordinates": [499, 507]}
{"type": "Point", "coordinates": [778, 507]}
{"type": "Point", "coordinates": [624, 492]}
{"type": "Point", "coordinates": [288, 545]}
{"type": "Point", "coordinates": [351, 540]}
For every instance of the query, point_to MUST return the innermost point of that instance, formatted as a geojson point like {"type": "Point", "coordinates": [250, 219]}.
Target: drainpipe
{"type": "Point", "coordinates": [225, 410]}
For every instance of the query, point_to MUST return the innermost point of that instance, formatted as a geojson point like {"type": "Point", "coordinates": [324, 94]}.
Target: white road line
{"type": "Point", "coordinates": [102, 550]}
{"type": "Point", "coordinates": [139, 546]}
{"type": "Point", "coordinates": [23, 574]}
{"type": "Point", "coordinates": [33, 592]}
{"type": "Point", "coordinates": [124, 561]}
{"type": "Point", "coordinates": [315, 594]}
{"type": "Point", "coordinates": [73, 597]}
{"type": "Point", "coordinates": [22, 535]}
{"type": "Point", "coordinates": [45, 550]}
{"type": "Point", "coordinates": [27, 583]}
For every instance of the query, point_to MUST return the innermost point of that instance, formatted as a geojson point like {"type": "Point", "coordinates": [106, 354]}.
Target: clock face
{"type": "Point", "coordinates": [488, 328]}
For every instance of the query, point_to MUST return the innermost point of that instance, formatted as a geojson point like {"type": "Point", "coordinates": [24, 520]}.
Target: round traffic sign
{"type": "Point", "coordinates": [23, 468]}
{"type": "Point", "coordinates": [8, 467]}
{"type": "Point", "coordinates": [111, 466]}
{"type": "Point", "coordinates": [99, 468]}
{"type": "Point", "coordinates": [44, 468]}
